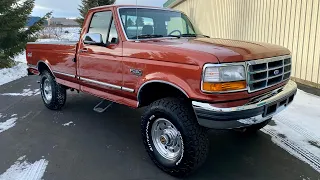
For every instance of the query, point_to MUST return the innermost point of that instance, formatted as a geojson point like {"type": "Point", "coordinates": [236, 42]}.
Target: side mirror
{"type": "Point", "coordinates": [93, 39]}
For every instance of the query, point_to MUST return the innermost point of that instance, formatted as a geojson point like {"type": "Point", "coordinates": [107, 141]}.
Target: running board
{"type": "Point", "coordinates": [102, 106]}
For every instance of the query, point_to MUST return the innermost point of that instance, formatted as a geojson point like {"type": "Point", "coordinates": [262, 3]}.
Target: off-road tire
{"type": "Point", "coordinates": [59, 94]}
{"type": "Point", "coordinates": [254, 128]}
{"type": "Point", "coordinates": [194, 137]}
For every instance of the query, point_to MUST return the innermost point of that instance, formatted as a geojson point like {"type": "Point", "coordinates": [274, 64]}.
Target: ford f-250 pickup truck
{"type": "Point", "coordinates": [188, 82]}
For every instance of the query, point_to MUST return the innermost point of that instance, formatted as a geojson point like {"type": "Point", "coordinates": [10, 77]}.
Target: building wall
{"type": "Point", "coordinates": [62, 22]}
{"type": "Point", "coordinates": [32, 20]}
{"type": "Point", "coordinates": [294, 24]}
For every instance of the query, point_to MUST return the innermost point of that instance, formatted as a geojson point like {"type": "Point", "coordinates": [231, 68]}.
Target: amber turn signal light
{"type": "Point", "coordinates": [225, 86]}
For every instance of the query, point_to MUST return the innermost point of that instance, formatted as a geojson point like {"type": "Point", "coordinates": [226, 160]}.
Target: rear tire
{"type": "Point", "coordinates": [254, 128]}
{"type": "Point", "coordinates": [53, 95]}
{"type": "Point", "coordinates": [169, 126]}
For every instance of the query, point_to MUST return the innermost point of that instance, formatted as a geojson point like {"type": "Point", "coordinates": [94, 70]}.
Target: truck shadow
{"type": "Point", "coordinates": [232, 155]}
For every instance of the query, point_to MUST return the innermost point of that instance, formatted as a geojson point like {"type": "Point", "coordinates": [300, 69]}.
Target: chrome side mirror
{"type": "Point", "coordinates": [93, 39]}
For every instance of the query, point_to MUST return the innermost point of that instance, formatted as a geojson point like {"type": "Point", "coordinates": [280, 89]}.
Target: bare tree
{"type": "Point", "coordinates": [51, 32]}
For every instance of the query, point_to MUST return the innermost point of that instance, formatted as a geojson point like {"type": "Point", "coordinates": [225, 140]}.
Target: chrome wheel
{"type": "Point", "coordinates": [167, 139]}
{"type": "Point", "coordinates": [47, 90]}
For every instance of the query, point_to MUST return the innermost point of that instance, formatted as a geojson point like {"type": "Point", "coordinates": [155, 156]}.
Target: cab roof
{"type": "Point", "coordinates": [132, 6]}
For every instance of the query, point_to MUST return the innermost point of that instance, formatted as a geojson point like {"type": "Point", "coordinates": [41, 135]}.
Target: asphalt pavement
{"type": "Point", "coordinates": [108, 146]}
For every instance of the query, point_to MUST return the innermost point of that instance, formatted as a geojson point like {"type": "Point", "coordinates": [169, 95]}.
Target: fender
{"type": "Point", "coordinates": [169, 79]}
{"type": "Point", "coordinates": [46, 62]}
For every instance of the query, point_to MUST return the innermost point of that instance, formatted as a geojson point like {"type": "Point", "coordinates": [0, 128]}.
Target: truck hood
{"type": "Point", "coordinates": [225, 50]}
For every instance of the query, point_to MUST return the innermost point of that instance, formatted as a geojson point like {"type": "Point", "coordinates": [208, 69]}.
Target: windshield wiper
{"type": "Point", "coordinates": [176, 36]}
{"type": "Point", "coordinates": [194, 35]}
{"type": "Point", "coordinates": [147, 36]}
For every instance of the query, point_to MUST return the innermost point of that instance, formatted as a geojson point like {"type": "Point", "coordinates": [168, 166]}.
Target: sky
{"type": "Point", "coordinates": [69, 8]}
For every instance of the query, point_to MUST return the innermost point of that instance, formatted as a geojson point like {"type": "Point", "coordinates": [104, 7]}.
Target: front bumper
{"type": "Point", "coordinates": [246, 115]}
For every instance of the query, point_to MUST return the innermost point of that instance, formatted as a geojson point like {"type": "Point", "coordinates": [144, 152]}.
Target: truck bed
{"type": "Point", "coordinates": [58, 54]}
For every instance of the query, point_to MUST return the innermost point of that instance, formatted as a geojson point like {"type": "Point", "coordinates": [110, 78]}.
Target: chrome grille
{"type": "Point", "coordinates": [265, 73]}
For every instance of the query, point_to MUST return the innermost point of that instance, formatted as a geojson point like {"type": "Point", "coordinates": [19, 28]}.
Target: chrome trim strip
{"type": "Point", "coordinates": [107, 85]}
{"type": "Point", "coordinates": [141, 7]}
{"type": "Point", "coordinates": [101, 83]}
{"type": "Point", "coordinates": [127, 89]}
{"type": "Point", "coordinates": [265, 60]}
{"type": "Point", "coordinates": [288, 89]}
{"type": "Point", "coordinates": [160, 81]}
{"type": "Point", "coordinates": [65, 74]}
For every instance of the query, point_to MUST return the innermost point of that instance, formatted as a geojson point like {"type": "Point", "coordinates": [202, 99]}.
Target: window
{"type": "Point", "coordinates": [113, 35]}
{"type": "Point", "coordinates": [154, 23]}
{"type": "Point", "coordinates": [177, 24]}
{"type": "Point", "coordinates": [103, 23]}
{"type": "Point", "coordinates": [137, 25]}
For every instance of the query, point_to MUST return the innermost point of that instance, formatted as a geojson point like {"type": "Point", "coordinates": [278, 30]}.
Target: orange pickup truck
{"type": "Point", "coordinates": [156, 58]}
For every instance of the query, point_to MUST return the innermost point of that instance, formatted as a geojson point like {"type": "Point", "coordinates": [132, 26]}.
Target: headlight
{"type": "Point", "coordinates": [224, 78]}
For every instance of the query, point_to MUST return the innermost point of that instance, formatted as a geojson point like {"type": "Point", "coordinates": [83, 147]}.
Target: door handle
{"type": "Point", "coordinates": [84, 50]}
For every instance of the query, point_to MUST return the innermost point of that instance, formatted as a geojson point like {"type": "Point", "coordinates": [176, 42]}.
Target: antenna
{"type": "Point", "coordinates": [137, 20]}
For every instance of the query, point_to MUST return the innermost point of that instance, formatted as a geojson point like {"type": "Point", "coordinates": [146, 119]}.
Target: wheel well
{"type": "Point", "coordinates": [43, 66]}
{"type": "Point", "coordinates": [156, 90]}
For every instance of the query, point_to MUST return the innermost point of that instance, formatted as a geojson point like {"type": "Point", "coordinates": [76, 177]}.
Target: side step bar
{"type": "Point", "coordinates": [102, 106]}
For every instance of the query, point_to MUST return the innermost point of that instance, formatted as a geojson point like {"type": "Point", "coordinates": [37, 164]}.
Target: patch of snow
{"type": "Point", "coordinates": [298, 129]}
{"type": "Point", "coordinates": [73, 35]}
{"type": "Point", "coordinates": [26, 115]}
{"type": "Point", "coordinates": [11, 74]}
{"type": "Point", "coordinates": [21, 58]}
{"type": "Point", "coordinates": [67, 124]}
{"type": "Point", "coordinates": [25, 170]}
{"type": "Point", "coordinates": [8, 124]}
{"type": "Point", "coordinates": [25, 92]}
{"type": "Point", "coordinates": [13, 115]}
{"type": "Point", "coordinates": [21, 158]}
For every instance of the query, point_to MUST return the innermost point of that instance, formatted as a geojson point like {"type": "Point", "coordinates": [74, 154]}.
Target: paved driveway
{"type": "Point", "coordinates": [108, 146]}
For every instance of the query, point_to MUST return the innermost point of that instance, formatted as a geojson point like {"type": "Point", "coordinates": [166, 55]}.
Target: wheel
{"type": "Point", "coordinates": [53, 95]}
{"type": "Point", "coordinates": [254, 128]}
{"type": "Point", "coordinates": [174, 140]}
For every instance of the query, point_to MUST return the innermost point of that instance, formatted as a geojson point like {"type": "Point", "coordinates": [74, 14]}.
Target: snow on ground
{"type": "Point", "coordinates": [68, 124]}
{"type": "Point", "coordinates": [11, 74]}
{"type": "Point", "coordinates": [25, 92]}
{"type": "Point", "coordinates": [25, 170]}
{"type": "Point", "coordinates": [20, 70]}
{"type": "Point", "coordinates": [9, 123]}
{"type": "Point", "coordinates": [21, 58]}
{"type": "Point", "coordinates": [72, 35]}
{"type": "Point", "coordinates": [297, 129]}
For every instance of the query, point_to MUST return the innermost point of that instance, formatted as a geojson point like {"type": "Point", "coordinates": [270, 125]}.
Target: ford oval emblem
{"type": "Point", "coordinates": [276, 72]}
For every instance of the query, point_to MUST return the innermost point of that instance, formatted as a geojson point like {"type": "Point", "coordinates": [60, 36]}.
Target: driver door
{"type": "Point", "coordinates": [100, 65]}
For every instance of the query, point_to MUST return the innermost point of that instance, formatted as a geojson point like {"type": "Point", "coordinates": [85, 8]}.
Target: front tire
{"type": "Point", "coordinates": [53, 95]}
{"type": "Point", "coordinates": [174, 140]}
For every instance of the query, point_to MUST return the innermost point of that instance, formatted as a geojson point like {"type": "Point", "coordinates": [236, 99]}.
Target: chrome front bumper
{"type": "Point", "coordinates": [246, 115]}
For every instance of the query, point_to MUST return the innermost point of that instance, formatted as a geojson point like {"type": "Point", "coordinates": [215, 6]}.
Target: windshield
{"type": "Point", "coordinates": [142, 23]}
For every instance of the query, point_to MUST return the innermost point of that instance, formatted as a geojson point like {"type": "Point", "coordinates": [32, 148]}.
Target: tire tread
{"type": "Point", "coordinates": [195, 137]}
